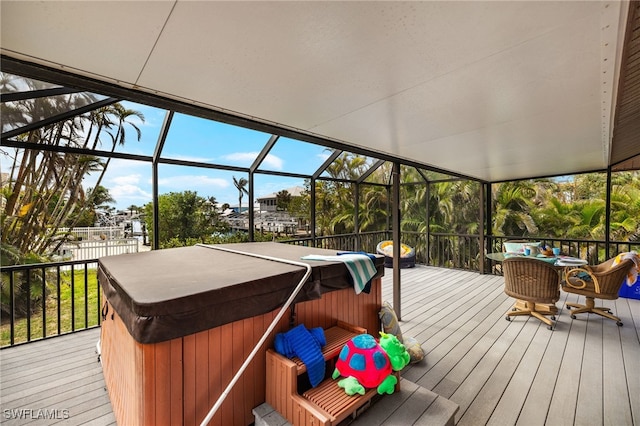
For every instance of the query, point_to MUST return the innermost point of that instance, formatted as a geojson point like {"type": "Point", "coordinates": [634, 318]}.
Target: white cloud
{"type": "Point", "coordinates": [323, 155]}
{"type": "Point", "coordinates": [126, 192]}
{"type": "Point", "coordinates": [242, 157]}
{"type": "Point", "coordinates": [192, 182]}
{"type": "Point", "coordinates": [273, 161]}
{"type": "Point", "coordinates": [189, 158]}
{"type": "Point", "coordinates": [127, 179]}
{"type": "Point", "coordinates": [247, 158]}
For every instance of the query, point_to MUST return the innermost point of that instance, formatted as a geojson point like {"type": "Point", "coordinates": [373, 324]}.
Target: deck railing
{"type": "Point", "coordinates": [593, 251]}
{"type": "Point", "coordinates": [364, 241]}
{"type": "Point", "coordinates": [462, 251]}
{"type": "Point", "coordinates": [49, 299]}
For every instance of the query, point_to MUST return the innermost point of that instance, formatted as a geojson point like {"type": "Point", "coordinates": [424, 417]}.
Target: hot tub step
{"type": "Point", "coordinates": [413, 404]}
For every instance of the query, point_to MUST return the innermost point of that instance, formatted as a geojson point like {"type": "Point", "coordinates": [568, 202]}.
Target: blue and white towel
{"type": "Point", "coordinates": [360, 267]}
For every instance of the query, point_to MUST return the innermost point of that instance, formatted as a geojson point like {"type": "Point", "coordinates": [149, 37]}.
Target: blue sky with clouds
{"type": "Point", "coordinates": [196, 139]}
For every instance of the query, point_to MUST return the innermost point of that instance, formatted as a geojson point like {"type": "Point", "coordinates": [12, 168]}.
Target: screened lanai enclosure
{"type": "Point", "coordinates": [348, 198]}
{"type": "Point", "coordinates": [450, 127]}
{"type": "Point", "coordinates": [452, 180]}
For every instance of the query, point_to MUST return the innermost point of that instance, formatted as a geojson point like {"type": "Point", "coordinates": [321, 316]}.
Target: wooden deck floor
{"type": "Point", "coordinates": [54, 381]}
{"type": "Point", "coordinates": [585, 372]}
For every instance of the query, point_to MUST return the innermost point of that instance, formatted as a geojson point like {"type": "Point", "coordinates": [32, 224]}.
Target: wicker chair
{"type": "Point", "coordinates": [603, 282]}
{"type": "Point", "coordinates": [531, 281]}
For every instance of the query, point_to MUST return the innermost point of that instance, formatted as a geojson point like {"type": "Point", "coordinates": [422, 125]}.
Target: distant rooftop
{"type": "Point", "coordinates": [294, 191]}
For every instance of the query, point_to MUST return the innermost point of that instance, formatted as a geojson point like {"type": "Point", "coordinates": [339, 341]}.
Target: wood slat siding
{"type": "Point", "coordinates": [626, 130]}
{"type": "Point", "coordinates": [531, 376]}
{"type": "Point", "coordinates": [177, 382]}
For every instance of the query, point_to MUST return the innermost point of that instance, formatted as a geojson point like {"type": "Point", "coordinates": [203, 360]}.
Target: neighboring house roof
{"type": "Point", "coordinates": [294, 191]}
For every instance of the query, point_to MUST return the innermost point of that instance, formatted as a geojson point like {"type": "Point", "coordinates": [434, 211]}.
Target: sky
{"type": "Point", "coordinates": [196, 139]}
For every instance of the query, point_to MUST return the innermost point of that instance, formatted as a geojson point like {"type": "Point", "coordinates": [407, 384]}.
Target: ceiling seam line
{"type": "Point", "coordinates": [434, 78]}
{"type": "Point", "coordinates": [155, 43]}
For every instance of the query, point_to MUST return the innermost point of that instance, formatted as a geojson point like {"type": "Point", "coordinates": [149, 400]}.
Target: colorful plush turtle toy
{"type": "Point", "coordinates": [368, 364]}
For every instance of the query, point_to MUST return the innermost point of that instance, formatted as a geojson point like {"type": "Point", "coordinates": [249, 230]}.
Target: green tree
{"type": "Point", "coordinates": [116, 118]}
{"type": "Point", "coordinates": [625, 207]}
{"type": "Point", "coordinates": [374, 207]}
{"type": "Point", "coordinates": [133, 209]}
{"type": "Point", "coordinates": [184, 216]}
{"type": "Point", "coordinates": [23, 289]}
{"type": "Point", "coordinates": [299, 208]}
{"type": "Point", "coordinates": [335, 197]}
{"type": "Point", "coordinates": [283, 200]}
{"type": "Point", "coordinates": [44, 190]}
{"type": "Point", "coordinates": [511, 208]}
{"type": "Point", "coordinates": [213, 215]}
{"type": "Point", "coordinates": [98, 199]}
{"type": "Point", "coordinates": [413, 201]}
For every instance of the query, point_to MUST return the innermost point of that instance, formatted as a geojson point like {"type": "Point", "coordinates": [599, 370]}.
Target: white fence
{"type": "Point", "coordinates": [95, 232]}
{"type": "Point", "coordinates": [93, 249]}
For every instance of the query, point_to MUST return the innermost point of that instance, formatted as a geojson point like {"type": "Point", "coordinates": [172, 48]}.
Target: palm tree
{"type": "Point", "coordinates": [106, 118]}
{"type": "Point", "coordinates": [511, 216]}
{"type": "Point", "coordinates": [122, 116]}
{"type": "Point", "coordinates": [45, 191]}
{"type": "Point", "coordinates": [374, 206]}
{"type": "Point", "coordinates": [241, 185]}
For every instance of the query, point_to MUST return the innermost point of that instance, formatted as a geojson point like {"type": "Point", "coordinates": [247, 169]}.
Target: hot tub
{"type": "Point", "coordinates": [178, 323]}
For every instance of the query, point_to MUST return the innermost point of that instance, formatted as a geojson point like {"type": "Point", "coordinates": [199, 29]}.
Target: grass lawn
{"type": "Point", "coordinates": [68, 286]}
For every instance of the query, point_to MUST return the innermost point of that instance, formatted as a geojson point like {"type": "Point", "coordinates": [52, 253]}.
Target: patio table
{"type": "Point", "coordinates": [557, 261]}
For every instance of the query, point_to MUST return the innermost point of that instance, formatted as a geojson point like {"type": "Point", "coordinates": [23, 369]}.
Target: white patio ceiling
{"type": "Point", "coordinates": [494, 90]}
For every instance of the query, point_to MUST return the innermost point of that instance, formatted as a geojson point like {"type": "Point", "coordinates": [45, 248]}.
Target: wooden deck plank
{"type": "Point", "coordinates": [62, 374]}
{"type": "Point", "coordinates": [629, 309]}
{"type": "Point", "coordinates": [498, 372]}
{"type": "Point", "coordinates": [465, 365]}
{"type": "Point", "coordinates": [73, 399]}
{"type": "Point", "coordinates": [532, 384]}
{"type": "Point", "coordinates": [17, 379]}
{"type": "Point", "coordinates": [474, 382]}
{"type": "Point", "coordinates": [616, 408]}
{"type": "Point", "coordinates": [483, 405]}
{"type": "Point", "coordinates": [549, 363]}
{"type": "Point", "coordinates": [589, 404]}
{"type": "Point", "coordinates": [459, 341]}
{"type": "Point", "coordinates": [384, 408]}
{"type": "Point", "coordinates": [449, 354]}
{"type": "Point", "coordinates": [412, 408]}
{"type": "Point", "coordinates": [77, 390]}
